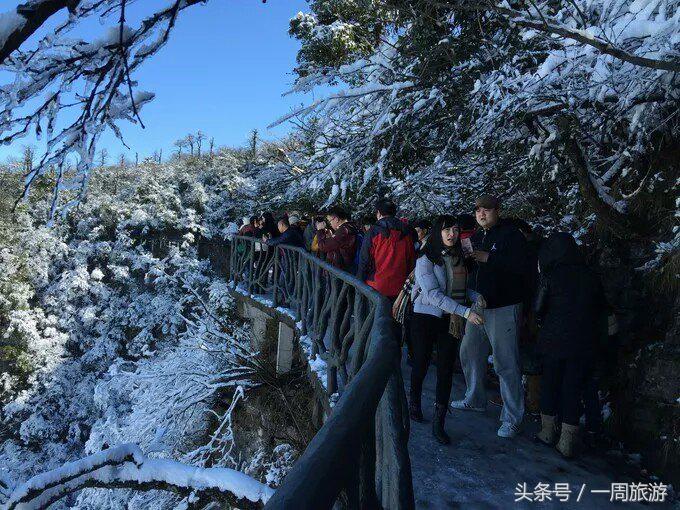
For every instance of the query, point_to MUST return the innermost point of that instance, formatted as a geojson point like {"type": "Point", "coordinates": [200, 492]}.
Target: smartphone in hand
{"type": "Point", "coordinates": [466, 244]}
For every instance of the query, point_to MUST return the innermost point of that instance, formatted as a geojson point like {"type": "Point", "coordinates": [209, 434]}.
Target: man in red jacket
{"type": "Point", "coordinates": [388, 252]}
{"type": "Point", "coordinates": [339, 246]}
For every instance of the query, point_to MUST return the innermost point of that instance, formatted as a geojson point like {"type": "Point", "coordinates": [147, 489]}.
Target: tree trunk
{"type": "Point", "coordinates": [614, 220]}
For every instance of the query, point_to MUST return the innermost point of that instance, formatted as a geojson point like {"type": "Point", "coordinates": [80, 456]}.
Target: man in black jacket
{"type": "Point", "coordinates": [496, 284]}
{"type": "Point", "coordinates": [289, 234]}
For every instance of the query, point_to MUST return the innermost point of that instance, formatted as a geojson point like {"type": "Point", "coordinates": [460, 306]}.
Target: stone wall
{"type": "Point", "coordinates": [645, 365]}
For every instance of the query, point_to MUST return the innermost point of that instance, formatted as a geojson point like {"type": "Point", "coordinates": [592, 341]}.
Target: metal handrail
{"type": "Point", "coordinates": [360, 456]}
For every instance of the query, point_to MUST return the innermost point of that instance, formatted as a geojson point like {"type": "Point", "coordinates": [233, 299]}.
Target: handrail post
{"type": "Point", "coordinates": [275, 286]}
{"type": "Point", "coordinates": [232, 249]}
{"type": "Point", "coordinates": [251, 269]}
{"type": "Point", "coordinates": [360, 455]}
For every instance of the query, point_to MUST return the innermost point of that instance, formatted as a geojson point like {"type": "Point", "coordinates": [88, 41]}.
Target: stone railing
{"type": "Point", "coordinates": [359, 458]}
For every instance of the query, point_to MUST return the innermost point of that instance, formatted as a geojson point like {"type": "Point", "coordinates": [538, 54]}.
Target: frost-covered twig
{"type": "Point", "coordinates": [222, 440]}
{"type": "Point", "coordinates": [554, 27]}
{"type": "Point", "coordinates": [44, 76]}
{"type": "Point", "coordinates": [126, 466]}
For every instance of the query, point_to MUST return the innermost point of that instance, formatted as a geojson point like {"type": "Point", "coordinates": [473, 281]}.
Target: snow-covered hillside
{"type": "Point", "coordinates": [115, 331]}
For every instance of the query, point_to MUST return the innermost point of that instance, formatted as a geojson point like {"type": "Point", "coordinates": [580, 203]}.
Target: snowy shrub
{"type": "Point", "coordinates": [114, 344]}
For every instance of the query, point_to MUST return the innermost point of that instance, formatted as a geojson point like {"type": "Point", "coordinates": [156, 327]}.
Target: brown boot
{"type": "Point", "coordinates": [533, 394]}
{"type": "Point", "coordinates": [548, 433]}
{"type": "Point", "coordinates": [568, 440]}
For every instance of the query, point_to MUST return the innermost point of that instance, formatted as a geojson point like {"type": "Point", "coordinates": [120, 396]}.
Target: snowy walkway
{"type": "Point", "coordinates": [481, 470]}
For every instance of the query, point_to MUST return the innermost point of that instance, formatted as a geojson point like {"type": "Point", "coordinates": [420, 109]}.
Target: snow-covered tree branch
{"type": "Point", "coordinates": [596, 36]}
{"type": "Point", "coordinates": [18, 26]}
{"type": "Point", "coordinates": [488, 86]}
{"type": "Point", "coordinates": [63, 77]}
{"type": "Point", "coordinates": [126, 467]}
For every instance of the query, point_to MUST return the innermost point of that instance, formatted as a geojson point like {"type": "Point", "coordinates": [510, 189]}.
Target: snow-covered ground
{"type": "Point", "coordinates": [481, 470]}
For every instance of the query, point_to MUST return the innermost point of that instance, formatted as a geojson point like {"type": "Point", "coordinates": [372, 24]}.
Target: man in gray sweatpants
{"type": "Point", "coordinates": [497, 283]}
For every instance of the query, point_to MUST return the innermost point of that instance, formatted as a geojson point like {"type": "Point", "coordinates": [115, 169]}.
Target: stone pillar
{"type": "Point", "coordinates": [260, 321]}
{"type": "Point", "coordinates": [284, 350]}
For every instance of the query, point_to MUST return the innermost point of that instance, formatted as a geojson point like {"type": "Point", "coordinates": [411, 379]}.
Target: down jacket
{"type": "Point", "coordinates": [429, 291]}
{"type": "Point", "coordinates": [387, 256]}
{"type": "Point", "coordinates": [570, 302]}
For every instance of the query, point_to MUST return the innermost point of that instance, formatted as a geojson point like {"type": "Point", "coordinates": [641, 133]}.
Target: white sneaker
{"type": "Point", "coordinates": [464, 406]}
{"type": "Point", "coordinates": [507, 430]}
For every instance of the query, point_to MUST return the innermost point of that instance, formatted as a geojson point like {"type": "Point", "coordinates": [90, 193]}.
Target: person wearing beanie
{"type": "Point", "coordinates": [496, 287]}
{"type": "Point", "coordinates": [422, 228]}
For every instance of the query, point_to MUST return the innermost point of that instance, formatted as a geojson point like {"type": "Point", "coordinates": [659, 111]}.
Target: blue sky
{"type": "Point", "coordinates": [223, 71]}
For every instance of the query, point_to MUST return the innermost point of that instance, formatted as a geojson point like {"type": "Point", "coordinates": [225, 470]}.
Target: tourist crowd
{"type": "Point", "coordinates": [467, 286]}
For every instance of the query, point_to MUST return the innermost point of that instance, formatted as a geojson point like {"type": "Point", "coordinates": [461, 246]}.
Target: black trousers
{"type": "Point", "coordinates": [426, 330]}
{"type": "Point", "coordinates": [591, 404]}
{"type": "Point", "coordinates": [562, 385]}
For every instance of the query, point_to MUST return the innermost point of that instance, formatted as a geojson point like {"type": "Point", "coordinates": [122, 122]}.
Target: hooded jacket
{"type": "Point", "coordinates": [308, 234]}
{"type": "Point", "coordinates": [340, 246]}
{"type": "Point", "coordinates": [388, 256]}
{"type": "Point", "coordinates": [570, 300]}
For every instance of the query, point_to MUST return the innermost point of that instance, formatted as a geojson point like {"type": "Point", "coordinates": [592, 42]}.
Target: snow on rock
{"type": "Point", "coordinates": [286, 311]}
{"type": "Point", "coordinates": [317, 365]}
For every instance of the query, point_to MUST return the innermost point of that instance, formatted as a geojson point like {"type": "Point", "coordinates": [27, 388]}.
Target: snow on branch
{"type": "Point", "coordinates": [546, 24]}
{"type": "Point", "coordinates": [343, 95]}
{"type": "Point", "coordinates": [585, 37]}
{"type": "Point", "coordinates": [45, 77]}
{"type": "Point", "coordinates": [127, 467]}
{"type": "Point", "coordinates": [16, 27]}
{"type": "Point", "coordinates": [592, 189]}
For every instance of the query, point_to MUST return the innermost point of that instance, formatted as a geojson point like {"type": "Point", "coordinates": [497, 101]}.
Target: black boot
{"type": "Point", "coordinates": [414, 410]}
{"type": "Point", "coordinates": [438, 424]}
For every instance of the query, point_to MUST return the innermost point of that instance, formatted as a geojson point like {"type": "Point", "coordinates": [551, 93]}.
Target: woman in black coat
{"type": "Point", "coordinates": [570, 304]}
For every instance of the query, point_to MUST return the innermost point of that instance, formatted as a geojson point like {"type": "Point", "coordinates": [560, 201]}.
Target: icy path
{"type": "Point", "coordinates": [481, 470]}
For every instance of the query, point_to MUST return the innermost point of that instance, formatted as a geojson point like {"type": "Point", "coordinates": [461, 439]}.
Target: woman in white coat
{"type": "Point", "coordinates": [438, 309]}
